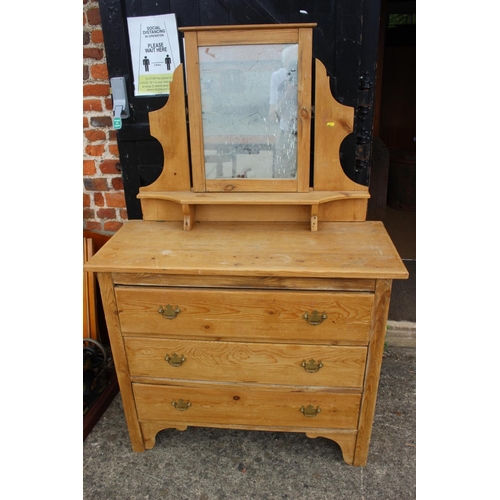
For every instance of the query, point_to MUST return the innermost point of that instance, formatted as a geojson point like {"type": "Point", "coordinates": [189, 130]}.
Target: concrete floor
{"type": "Point", "coordinates": [213, 464]}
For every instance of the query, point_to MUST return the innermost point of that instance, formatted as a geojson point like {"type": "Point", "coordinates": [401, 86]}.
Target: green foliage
{"type": "Point", "coordinates": [400, 19]}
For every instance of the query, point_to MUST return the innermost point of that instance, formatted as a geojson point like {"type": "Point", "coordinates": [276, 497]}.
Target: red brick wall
{"type": "Point", "coordinates": [103, 198]}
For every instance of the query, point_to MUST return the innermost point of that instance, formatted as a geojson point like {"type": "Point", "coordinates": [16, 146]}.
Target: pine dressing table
{"type": "Point", "coordinates": [246, 298]}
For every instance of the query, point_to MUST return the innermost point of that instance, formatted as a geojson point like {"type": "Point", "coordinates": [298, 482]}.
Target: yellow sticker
{"type": "Point", "coordinates": [154, 84]}
{"type": "Point", "coordinates": [330, 124]}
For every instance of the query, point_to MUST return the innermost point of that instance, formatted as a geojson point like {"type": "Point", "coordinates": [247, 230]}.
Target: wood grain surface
{"type": "Point", "coordinates": [263, 363]}
{"type": "Point", "coordinates": [359, 250]}
{"type": "Point", "coordinates": [245, 314]}
{"type": "Point", "coordinates": [240, 405]}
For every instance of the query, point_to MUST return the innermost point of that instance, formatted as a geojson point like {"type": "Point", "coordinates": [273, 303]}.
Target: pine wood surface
{"type": "Point", "coordinates": [345, 438]}
{"type": "Point", "coordinates": [240, 405]}
{"type": "Point", "coordinates": [90, 325]}
{"type": "Point", "coordinates": [233, 185]}
{"type": "Point", "coordinates": [252, 206]}
{"type": "Point", "coordinates": [169, 126]}
{"type": "Point", "coordinates": [352, 209]}
{"type": "Point", "coordinates": [373, 367]}
{"type": "Point", "coordinates": [195, 118]}
{"type": "Point", "coordinates": [284, 26]}
{"type": "Point", "coordinates": [242, 198]}
{"type": "Point", "coordinates": [349, 209]}
{"type": "Point", "coordinates": [120, 360]}
{"type": "Point", "coordinates": [262, 363]}
{"type": "Point", "coordinates": [255, 314]}
{"type": "Point", "coordinates": [339, 250]}
{"type": "Point", "coordinates": [249, 35]}
{"type": "Point", "coordinates": [248, 282]}
{"type": "Point", "coordinates": [304, 110]}
{"type": "Point", "coordinates": [333, 122]}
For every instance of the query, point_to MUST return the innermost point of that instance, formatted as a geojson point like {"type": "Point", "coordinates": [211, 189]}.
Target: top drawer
{"type": "Point", "coordinates": [287, 316]}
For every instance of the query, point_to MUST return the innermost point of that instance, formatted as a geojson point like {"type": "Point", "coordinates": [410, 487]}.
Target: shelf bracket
{"type": "Point", "coordinates": [189, 212]}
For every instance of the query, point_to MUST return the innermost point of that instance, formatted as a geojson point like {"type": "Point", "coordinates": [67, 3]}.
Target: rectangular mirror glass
{"type": "Point", "coordinates": [249, 110]}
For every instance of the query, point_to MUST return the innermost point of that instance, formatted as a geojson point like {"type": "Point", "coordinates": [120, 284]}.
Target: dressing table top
{"type": "Point", "coordinates": [339, 250]}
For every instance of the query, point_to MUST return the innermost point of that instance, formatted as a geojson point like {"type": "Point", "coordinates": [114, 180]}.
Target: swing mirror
{"type": "Point", "coordinates": [249, 93]}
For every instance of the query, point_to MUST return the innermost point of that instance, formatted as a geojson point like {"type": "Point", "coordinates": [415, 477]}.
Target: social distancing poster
{"type": "Point", "coordinates": [154, 47]}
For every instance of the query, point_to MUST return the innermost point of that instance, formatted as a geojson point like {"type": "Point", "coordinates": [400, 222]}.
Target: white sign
{"type": "Point", "coordinates": [154, 46]}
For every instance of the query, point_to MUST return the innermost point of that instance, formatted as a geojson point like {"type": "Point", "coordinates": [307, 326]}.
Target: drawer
{"type": "Point", "coordinates": [337, 366]}
{"type": "Point", "coordinates": [318, 317]}
{"type": "Point", "coordinates": [246, 405]}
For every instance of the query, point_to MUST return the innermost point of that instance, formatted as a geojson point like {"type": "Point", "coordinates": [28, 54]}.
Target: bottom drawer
{"type": "Point", "coordinates": [238, 405]}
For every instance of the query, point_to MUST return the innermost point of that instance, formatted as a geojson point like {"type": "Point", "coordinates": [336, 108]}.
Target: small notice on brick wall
{"type": "Point", "coordinates": [154, 47]}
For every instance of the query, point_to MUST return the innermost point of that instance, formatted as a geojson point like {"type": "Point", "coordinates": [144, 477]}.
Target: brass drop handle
{"type": "Point", "coordinates": [311, 366]}
{"type": "Point", "coordinates": [181, 405]}
{"type": "Point", "coordinates": [169, 312]}
{"type": "Point", "coordinates": [315, 318]}
{"type": "Point", "coordinates": [175, 359]}
{"type": "Point", "coordinates": [310, 411]}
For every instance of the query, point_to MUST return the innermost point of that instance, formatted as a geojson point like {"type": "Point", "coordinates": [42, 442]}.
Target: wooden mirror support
{"type": "Point", "coordinates": [183, 192]}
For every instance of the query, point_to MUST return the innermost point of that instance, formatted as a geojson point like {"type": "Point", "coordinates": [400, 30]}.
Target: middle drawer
{"type": "Point", "coordinates": [308, 365]}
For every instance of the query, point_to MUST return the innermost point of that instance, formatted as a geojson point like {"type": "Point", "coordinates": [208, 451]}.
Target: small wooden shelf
{"type": "Point", "coordinates": [189, 199]}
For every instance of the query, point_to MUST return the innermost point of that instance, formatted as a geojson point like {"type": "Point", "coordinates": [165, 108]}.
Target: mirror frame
{"type": "Point", "coordinates": [196, 37]}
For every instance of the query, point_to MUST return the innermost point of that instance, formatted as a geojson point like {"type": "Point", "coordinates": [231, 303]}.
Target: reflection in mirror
{"type": "Point", "coordinates": [249, 109]}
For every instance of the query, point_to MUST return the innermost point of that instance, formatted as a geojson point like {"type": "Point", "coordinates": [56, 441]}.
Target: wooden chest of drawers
{"type": "Point", "coordinates": [249, 326]}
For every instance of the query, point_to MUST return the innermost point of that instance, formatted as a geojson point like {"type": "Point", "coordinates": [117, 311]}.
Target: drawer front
{"type": "Point", "coordinates": [316, 317]}
{"type": "Point", "coordinates": [257, 406]}
{"type": "Point", "coordinates": [292, 364]}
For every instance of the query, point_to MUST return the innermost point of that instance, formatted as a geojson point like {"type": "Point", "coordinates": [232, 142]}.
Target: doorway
{"type": "Point", "coordinates": [395, 145]}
